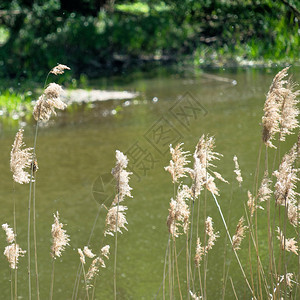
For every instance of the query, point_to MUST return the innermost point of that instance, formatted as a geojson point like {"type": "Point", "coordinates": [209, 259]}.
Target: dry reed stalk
{"type": "Point", "coordinates": [95, 265]}
{"type": "Point", "coordinates": [212, 236]}
{"type": "Point", "coordinates": [116, 218]}
{"type": "Point", "coordinates": [179, 211]}
{"type": "Point", "coordinates": [235, 253]}
{"type": "Point", "coordinates": [42, 111]}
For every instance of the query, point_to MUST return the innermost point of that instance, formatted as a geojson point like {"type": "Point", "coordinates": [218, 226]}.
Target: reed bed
{"type": "Point", "coordinates": [191, 233]}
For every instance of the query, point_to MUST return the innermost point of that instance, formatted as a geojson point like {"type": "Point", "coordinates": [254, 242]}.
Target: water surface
{"type": "Point", "coordinates": [77, 149]}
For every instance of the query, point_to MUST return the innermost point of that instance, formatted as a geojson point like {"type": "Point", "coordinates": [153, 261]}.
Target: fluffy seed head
{"type": "Point", "coordinates": [88, 252]}
{"type": "Point", "coordinates": [251, 204]}
{"type": "Point", "coordinates": [49, 100]}
{"type": "Point", "coordinates": [203, 157]}
{"type": "Point", "coordinates": [199, 253]}
{"type": "Point", "coordinates": [280, 110]}
{"type": "Point", "coordinates": [286, 185]}
{"type": "Point", "coordinates": [289, 111]}
{"type": "Point", "coordinates": [114, 214]}
{"type": "Point", "coordinates": [94, 270]}
{"type": "Point", "coordinates": [239, 234]}
{"type": "Point", "coordinates": [10, 236]}
{"type": "Point", "coordinates": [12, 253]}
{"type": "Point", "coordinates": [59, 237]}
{"type": "Point", "coordinates": [179, 211]}
{"type": "Point", "coordinates": [289, 245]}
{"type": "Point", "coordinates": [122, 177]}
{"type": "Point", "coordinates": [237, 171]}
{"type": "Point", "coordinates": [177, 167]}
{"type": "Point", "coordinates": [81, 255]}
{"type": "Point", "coordinates": [105, 251]}
{"type": "Point", "coordinates": [272, 107]}
{"type": "Point", "coordinates": [264, 192]}
{"type": "Point", "coordinates": [20, 159]}
{"type": "Point", "coordinates": [59, 69]}
{"type": "Point", "coordinates": [212, 236]}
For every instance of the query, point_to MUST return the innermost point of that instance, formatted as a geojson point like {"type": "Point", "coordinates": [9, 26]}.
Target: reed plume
{"type": "Point", "coordinates": [81, 256]}
{"type": "Point", "coordinates": [115, 220]}
{"type": "Point", "coordinates": [47, 102]}
{"type": "Point", "coordinates": [239, 234]}
{"type": "Point", "coordinates": [13, 250]}
{"type": "Point", "coordinates": [96, 264]}
{"type": "Point", "coordinates": [264, 192]}
{"type": "Point", "coordinates": [20, 159]}
{"type": "Point", "coordinates": [122, 178]}
{"type": "Point", "coordinates": [177, 167]}
{"type": "Point", "coordinates": [10, 236]}
{"type": "Point", "coordinates": [194, 296]}
{"type": "Point", "coordinates": [272, 107]}
{"type": "Point", "coordinates": [237, 171]}
{"type": "Point", "coordinates": [212, 236]}
{"type": "Point", "coordinates": [105, 251]}
{"type": "Point", "coordinates": [179, 211]}
{"type": "Point", "coordinates": [289, 111]}
{"type": "Point", "coordinates": [199, 253]}
{"type": "Point", "coordinates": [288, 278]}
{"type": "Point", "coordinates": [252, 204]}
{"type": "Point", "coordinates": [280, 110]}
{"type": "Point", "coordinates": [285, 186]}
{"type": "Point", "coordinates": [289, 245]}
{"type": "Point", "coordinates": [88, 252]}
{"type": "Point", "coordinates": [60, 239]}
{"type": "Point", "coordinates": [94, 269]}
{"type": "Point", "coordinates": [59, 69]}
{"type": "Point", "coordinates": [201, 174]}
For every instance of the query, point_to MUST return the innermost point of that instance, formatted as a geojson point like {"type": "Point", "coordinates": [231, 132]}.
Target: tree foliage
{"type": "Point", "coordinates": [91, 35]}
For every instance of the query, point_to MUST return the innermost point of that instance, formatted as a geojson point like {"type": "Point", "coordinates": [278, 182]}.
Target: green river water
{"type": "Point", "coordinates": [76, 151]}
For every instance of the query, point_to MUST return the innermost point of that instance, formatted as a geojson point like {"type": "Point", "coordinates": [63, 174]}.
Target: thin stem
{"type": "Point", "coordinates": [226, 228]}
{"type": "Point", "coordinates": [170, 272]}
{"type": "Point", "coordinates": [15, 227]}
{"type": "Point", "coordinates": [86, 286]}
{"type": "Point", "coordinates": [177, 269]}
{"type": "Point", "coordinates": [78, 274]}
{"type": "Point", "coordinates": [200, 281]}
{"type": "Point", "coordinates": [11, 285]}
{"type": "Point", "coordinates": [236, 297]}
{"type": "Point", "coordinates": [29, 215]}
{"type": "Point", "coordinates": [116, 242]}
{"type": "Point", "coordinates": [165, 266]}
{"type": "Point", "coordinates": [52, 280]}
{"type": "Point", "coordinates": [35, 245]}
{"type": "Point", "coordinates": [28, 242]}
{"type": "Point", "coordinates": [190, 252]}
